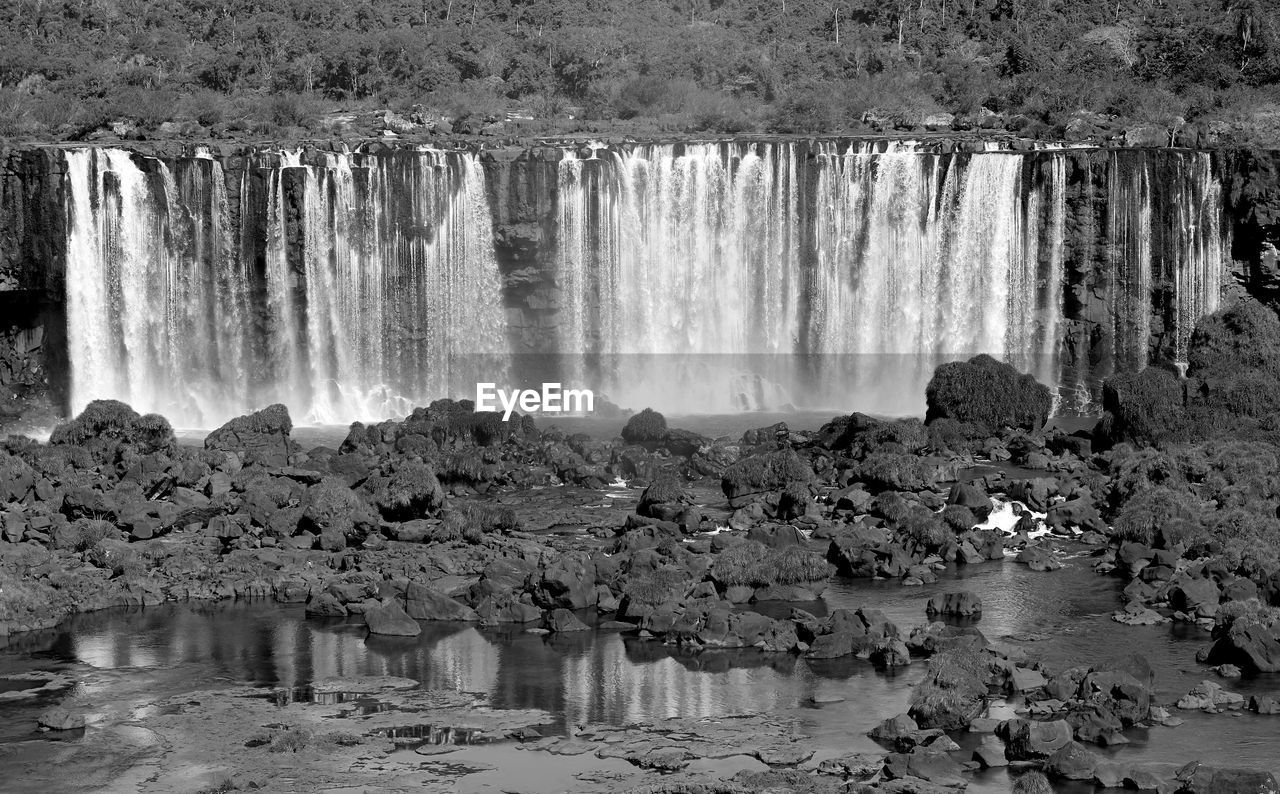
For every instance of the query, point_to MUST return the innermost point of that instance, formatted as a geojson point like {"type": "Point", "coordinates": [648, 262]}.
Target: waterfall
{"type": "Point", "coordinates": [731, 276]}
{"type": "Point", "coordinates": [682, 268]}
{"type": "Point", "coordinates": [704, 277]}
{"type": "Point", "coordinates": [374, 286]}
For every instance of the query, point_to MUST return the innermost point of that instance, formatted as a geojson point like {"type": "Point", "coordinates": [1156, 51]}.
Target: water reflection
{"type": "Point", "coordinates": [605, 677]}
{"type": "Point", "coordinates": [587, 677]}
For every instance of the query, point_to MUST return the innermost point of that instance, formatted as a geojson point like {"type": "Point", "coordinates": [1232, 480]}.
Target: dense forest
{"type": "Point", "coordinates": [69, 67]}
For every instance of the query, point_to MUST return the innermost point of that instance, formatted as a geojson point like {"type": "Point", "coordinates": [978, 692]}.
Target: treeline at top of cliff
{"type": "Point", "coordinates": [1158, 71]}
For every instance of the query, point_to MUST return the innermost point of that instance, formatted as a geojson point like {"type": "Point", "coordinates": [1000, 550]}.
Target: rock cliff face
{"type": "Point", "coordinates": [1120, 256]}
{"type": "Point", "coordinates": [33, 361]}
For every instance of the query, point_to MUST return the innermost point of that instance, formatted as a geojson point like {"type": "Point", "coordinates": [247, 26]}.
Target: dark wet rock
{"type": "Point", "coordinates": [963, 603]}
{"type": "Point", "coordinates": [1073, 761]}
{"type": "Point", "coordinates": [423, 602]}
{"type": "Point", "coordinates": [570, 581]}
{"type": "Point", "coordinates": [1264, 704]}
{"type": "Point", "coordinates": [971, 497]}
{"type": "Point", "coordinates": [561, 621]}
{"type": "Point", "coordinates": [1027, 740]}
{"type": "Point", "coordinates": [934, 767]}
{"type": "Point", "coordinates": [325, 605]}
{"type": "Point", "coordinates": [1192, 593]}
{"type": "Point", "coordinates": [388, 618]}
{"type": "Point", "coordinates": [1200, 779]}
{"type": "Point", "coordinates": [1038, 558]}
{"type": "Point", "coordinates": [1248, 644]}
{"type": "Point", "coordinates": [894, 728]}
{"type": "Point", "coordinates": [261, 437]}
{"type": "Point", "coordinates": [1076, 514]}
{"type": "Point", "coordinates": [493, 611]}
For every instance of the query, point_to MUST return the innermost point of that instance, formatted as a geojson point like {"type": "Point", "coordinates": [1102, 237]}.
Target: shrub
{"type": "Point", "coordinates": [893, 471]}
{"type": "Point", "coordinates": [959, 518]}
{"type": "Point", "coordinates": [925, 527]}
{"type": "Point", "coordinates": [90, 531]}
{"type": "Point", "coordinates": [484, 517]}
{"type": "Point", "coordinates": [411, 491]}
{"type": "Point", "coordinates": [658, 586]}
{"type": "Point", "coordinates": [737, 566]}
{"type": "Point", "coordinates": [291, 110]}
{"type": "Point", "coordinates": [770, 471]}
{"type": "Point", "coordinates": [752, 564]}
{"type": "Point", "coordinates": [1251, 609]}
{"type": "Point", "coordinates": [104, 425]}
{"type": "Point", "coordinates": [664, 490]}
{"type": "Point", "coordinates": [1150, 511]}
{"type": "Point", "coordinates": [795, 565]}
{"type": "Point", "coordinates": [954, 690]}
{"type": "Point", "coordinates": [331, 506]}
{"type": "Point", "coordinates": [1032, 782]}
{"type": "Point", "coordinates": [987, 393]}
{"type": "Point", "coordinates": [645, 427]}
{"type": "Point", "coordinates": [891, 506]}
{"type": "Point", "coordinates": [289, 741]}
{"type": "Point", "coordinates": [1241, 338]}
{"type": "Point", "coordinates": [1146, 407]}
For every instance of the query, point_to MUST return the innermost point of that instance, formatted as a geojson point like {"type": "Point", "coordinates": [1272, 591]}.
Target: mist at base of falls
{"type": "Point", "coordinates": [697, 278]}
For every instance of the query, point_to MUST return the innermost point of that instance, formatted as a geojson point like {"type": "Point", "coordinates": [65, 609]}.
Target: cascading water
{"type": "Point", "coordinates": [682, 269]}
{"type": "Point", "coordinates": [707, 277]}
{"type": "Point", "coordinates": [843, 279]}
{"type": "Point", "coordinates": [374, 289]}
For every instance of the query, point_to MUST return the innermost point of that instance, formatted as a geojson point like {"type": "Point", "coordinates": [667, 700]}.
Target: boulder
{"type": "Point", "coordinates": [325, 605]}
{"type": "Point", "coordinates": [1249, 645]}
{"type": "Point", "coordinates": [562, 620]}
{"type": "Point", "coordinates": [388, 618]}
{"type": "Point", "coordinates": [1038, 558]}
{"type": "Point", "coordinates": [1193, 592]}
{"type": "Point", "coordinates": [261, 437]}
{"type": "Point", "coordinates": [423, 602]}
{"type": "Point", "coordinates": [1199, 779]}
{"type": "Point", "coordinates": [972, 497]}
{"type": "Point", "coordinates": [1073, 761]}
{"type": "Point", "coordinates": [1030, 740]}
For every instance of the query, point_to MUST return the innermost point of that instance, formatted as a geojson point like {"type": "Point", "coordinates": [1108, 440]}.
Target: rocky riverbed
{"type": "Point", "coordinates": [714, 549]}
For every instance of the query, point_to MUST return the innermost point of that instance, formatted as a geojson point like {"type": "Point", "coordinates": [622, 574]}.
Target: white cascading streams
{"type": "Point", "coordinates": [682, 270]}
{"type": "Point", "coordinates": [1197, 225]}
{"type": "Point", "coordinates": [694, 278]}
{"type": "Point", "coordinates": [892, 260]}
{"type": "Point", "coordinates": [378, 287]}
{"type": "Point", "coordinates": [922, 258]}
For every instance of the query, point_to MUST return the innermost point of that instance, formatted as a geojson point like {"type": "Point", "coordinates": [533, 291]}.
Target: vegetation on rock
{"type": "Point", "coordinates": [648, 426]}
{"type": "Point", "coordinates": [988, 394]}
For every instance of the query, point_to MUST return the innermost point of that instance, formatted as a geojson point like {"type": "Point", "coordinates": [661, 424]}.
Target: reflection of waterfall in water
{"type": "Point", "coordinates": [367, 286]}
